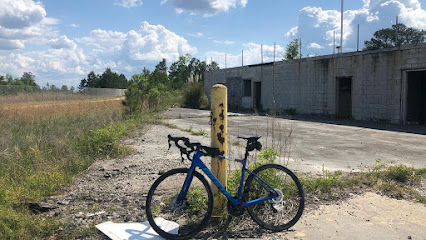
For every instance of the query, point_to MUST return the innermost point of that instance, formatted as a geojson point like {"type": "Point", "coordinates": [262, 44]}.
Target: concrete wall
{"type": "Point", "coordinates": [104, 92]}
{"type": "Point", "coordinates": [379, 84]}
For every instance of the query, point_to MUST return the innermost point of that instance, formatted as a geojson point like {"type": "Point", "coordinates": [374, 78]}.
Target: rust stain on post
{"type": "Point", "coordinates": [219, 109]}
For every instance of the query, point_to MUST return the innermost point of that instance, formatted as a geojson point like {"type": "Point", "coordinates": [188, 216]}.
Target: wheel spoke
{"type": "Point", "coordinates": [284, 210]}
{"type": "Point", "coordinates": [191, 213]}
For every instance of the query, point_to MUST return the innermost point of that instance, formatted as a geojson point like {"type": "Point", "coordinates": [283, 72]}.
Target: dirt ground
{"type": "Point", "coordinates": [116, 189]}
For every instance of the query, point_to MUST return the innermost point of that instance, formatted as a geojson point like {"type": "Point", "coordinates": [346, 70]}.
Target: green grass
{"type": "Point", "coordinates": [396, 181]}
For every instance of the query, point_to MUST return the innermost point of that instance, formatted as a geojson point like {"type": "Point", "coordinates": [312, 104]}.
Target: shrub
{"type": "Point", "coordinates": [153, 98]}
{"type": "Point", "coordinates": [288, 111]}
{"type": "Point", "coordinates": [194, 96]}
{"type": "Point", "coordinates": [133, 100]}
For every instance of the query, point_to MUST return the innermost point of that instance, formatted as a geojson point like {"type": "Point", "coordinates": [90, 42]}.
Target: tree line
{"type": "Point", "coordinates": [175, 76]}
{"type": "Point", "coordinates": [26, 83]}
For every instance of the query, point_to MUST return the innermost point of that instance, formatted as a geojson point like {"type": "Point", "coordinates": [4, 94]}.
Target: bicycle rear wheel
{"type": "Point", "coordinates": [192, 213]}
{"type": "Point", "coordinates": [279, 213]}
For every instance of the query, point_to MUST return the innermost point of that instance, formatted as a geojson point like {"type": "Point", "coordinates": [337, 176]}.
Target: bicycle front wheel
{"type": "Point", "coordinates": [281, 212]}
{"type": "Point", "coordinates": [191, 214]}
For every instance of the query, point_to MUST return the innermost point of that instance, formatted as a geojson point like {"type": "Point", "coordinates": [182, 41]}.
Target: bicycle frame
{"type": "Point", "coordinates": [197, 162]}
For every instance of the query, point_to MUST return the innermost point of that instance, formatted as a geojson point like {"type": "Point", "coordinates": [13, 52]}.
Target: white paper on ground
{"type": "Point", "coordinates": [136, 231]}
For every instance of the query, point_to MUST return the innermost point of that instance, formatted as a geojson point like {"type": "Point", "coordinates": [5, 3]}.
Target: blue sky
{"type": "Point", "coordinates": [62, 41]}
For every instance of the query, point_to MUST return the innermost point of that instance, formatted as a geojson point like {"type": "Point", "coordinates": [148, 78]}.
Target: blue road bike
{"type": "Point", "coordinates": [272, 194]}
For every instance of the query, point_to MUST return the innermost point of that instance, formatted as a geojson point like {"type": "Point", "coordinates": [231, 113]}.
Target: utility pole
{"type": "Point", "coordinates": [396, 32]}
{"type": "Point", "coordinates": [225, 60]}
{"type": "Point", "coordinates": [273, 78]}
{"type": "Point", "coordinates": [334, 42]}
{"type": "Point", "coordinates": [261, 53]}
{"type": "Point", "coordinates": [357, 40]}
{"type": "Point", "coordinates": [242, 58]}
{"type": "Point", "coordinates": [275, 45]}
{"type": "Point", "coordinates": [300, 47]}
{"type": "Point", "coordinates": [341, 29]}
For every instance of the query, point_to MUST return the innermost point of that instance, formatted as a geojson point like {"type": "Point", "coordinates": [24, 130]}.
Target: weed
{"type": "Point", "coordinates": [265, 156]}
{"type": "Point", "coordinates": [155, 210]}
{"type": "Point", "coordinates": [105, 141]}
{"type": "Point", "coordinates": [200, 132]}
{"type": "Point", "coordinates": [287, 111]}
{"type": "Point", "coordinates": [403, 174]}
{"type": "Point", "coordinates": [189, 129]}
{"type": "Point", "coordinates": [324, 185]}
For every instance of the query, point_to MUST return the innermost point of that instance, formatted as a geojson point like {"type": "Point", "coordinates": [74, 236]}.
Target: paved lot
{"type": "Point", "coordinates": [344, 145]}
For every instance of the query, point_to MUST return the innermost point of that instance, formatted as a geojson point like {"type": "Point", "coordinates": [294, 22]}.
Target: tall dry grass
{"type": "Point", "coordinates": [42, 146]}
{"type": "Point", "coordinates": [42, 96]}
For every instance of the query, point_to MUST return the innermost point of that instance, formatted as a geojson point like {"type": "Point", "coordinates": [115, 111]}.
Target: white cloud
{"type": "Point", "coordinates": [6, 44]}
{"type": "Point", "coordinates": [123, 52]}
{"type": "Point", "coordinates": [292, 32]}
{"type": "Point", "coordinates": [19, 14]}
{"type": "Point", "coordinates": [64, 58]}
{"type": "Point", "coordinates": [129, 3]}
{"type": "Point", "coordinates": [198, 34]}
{"type": "Point", "coordinates": [103, 39]}
{"type": "Point", "coordinates": [315, 46]}
{"type": "Point", "coordinates": [252, 55]}
{"type": "Point", "coordinates": [23, 21]}
{"type": "Point", "coordinates": [317, 25]}
{"type": "Point", "coordinates": [129, 51]}
{"type": "Point", "coordinates": [62, 42]}
{"type": "Point", "coordinates": [50, 21]}
{"type": "Point", "coordinates": [73, 25]}
{"type": "Point", "coordinates": [15, 63]}
{"type": "Point", "coordinates": [206, 7]}
{"type": "Point", "coordinates": [154, 42]}
{"type": "Point", "coordinates": [226, 42]}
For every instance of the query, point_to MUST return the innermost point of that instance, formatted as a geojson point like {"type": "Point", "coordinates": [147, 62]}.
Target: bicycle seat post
{"type": "Point", "coordinates": [252, 143]}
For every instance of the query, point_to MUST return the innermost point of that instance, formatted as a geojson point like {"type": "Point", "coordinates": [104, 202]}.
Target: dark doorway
{"type": "Point", "coordinates": [257, 96]}
{"type": "Point", "coordinates": [344, 97]}
{"type": "Point", "coordinates": [416, 97]}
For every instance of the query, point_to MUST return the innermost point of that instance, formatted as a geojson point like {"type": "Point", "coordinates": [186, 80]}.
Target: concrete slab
{"type": "Point", "coordinates": [369, 216]}
{"type": "Point", "coordinates": [191, 113]}
{"type": "Point", "coordinates": [344, 145]}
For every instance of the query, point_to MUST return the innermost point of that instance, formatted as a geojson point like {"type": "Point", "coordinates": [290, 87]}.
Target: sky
{"type": "Point", "coordinates": [61, 41]}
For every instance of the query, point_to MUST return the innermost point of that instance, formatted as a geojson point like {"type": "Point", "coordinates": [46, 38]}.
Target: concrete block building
{"type": "Point", "coordinates": [382, 85]}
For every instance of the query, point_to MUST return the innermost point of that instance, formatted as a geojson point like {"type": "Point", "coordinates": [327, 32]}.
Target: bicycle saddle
{"type": "Point", "coordinates": [250, 139]}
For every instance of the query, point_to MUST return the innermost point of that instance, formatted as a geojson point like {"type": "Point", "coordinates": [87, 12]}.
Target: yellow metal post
{"type": "Point", "coordinates": [219, 137]}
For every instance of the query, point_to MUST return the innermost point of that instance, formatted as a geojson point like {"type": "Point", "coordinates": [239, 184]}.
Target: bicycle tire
{"type": "Point", "coordinates": [270, 214]}
{"type": "Point", "coordinates": [190, 214]}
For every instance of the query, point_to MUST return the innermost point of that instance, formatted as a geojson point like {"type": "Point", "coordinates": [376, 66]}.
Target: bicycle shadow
{"type": "Point", "coordinates": [240, 228]}
{"type": "Point", "coordinates": [141, 234]}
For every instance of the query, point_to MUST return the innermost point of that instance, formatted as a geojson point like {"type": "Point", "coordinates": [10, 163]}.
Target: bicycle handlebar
{"type": "Point", "coordinates": [189, 147]}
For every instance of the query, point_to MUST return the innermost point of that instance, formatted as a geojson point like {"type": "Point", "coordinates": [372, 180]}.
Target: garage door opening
{"type": "Point", "coordinates": [257, 103]}
{"type": "Point", "coordinates": [416, 97]}
{"type": "Point", "coordinates": [344, 97]}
